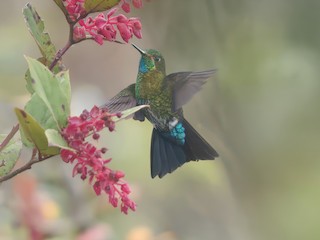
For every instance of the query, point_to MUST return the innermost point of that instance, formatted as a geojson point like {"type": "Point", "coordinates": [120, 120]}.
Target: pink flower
{"type": "Point", "coordinates": [105, 26]}
{"type": "Point", "coordinates": [125, 32]}
{"type": "Point", "coordinates": [137, 3]}
{"type": "Point", "coordinates": [75, 8]}
{"type": "Point", "coordinates": [125, 6]}
{"type": "Point", "coordinates": [88, 160]}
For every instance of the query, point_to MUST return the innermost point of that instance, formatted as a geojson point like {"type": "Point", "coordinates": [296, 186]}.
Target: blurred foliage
{"type": "Point", "coordinates": [260, 112]}
{"type": "Point", "coordinates": [9, 154]}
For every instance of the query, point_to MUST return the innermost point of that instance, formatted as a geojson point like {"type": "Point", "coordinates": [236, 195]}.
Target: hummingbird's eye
{"type": "Point", "coordinates": [157, 59]}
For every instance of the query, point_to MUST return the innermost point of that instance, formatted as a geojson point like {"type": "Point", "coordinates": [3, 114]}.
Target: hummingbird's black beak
{"type": "Point", "coordinates": [139, 49]}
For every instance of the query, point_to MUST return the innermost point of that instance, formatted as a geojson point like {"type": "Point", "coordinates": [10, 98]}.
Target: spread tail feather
{"type": "Point", "coordinates": [196, 147]}
{"type": "Point", "coordinates": [167, 155]}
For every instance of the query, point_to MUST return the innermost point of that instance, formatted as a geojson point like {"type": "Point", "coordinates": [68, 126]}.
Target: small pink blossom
{"type": "Point", "coordinates": [75, 8]}
{"type": "Point", "coordinates": [88, 160]}
{"type": "Point", "coordinates": [125, 32]}
{"type": "Point", "coordinates": [125, 5]}
{"type": "Point", "coordinates": [137, 3]}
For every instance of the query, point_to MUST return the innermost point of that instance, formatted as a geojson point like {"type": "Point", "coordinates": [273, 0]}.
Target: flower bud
{"type": "Point", "coordinates": [125, 7]}
{"type": "Point", "coordinates": [137, 3]}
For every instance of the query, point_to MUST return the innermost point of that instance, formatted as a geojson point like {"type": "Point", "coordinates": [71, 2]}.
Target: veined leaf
{"type": "Point", "coordinates": [37, 108]}
{"type": "Point", "coordinates": [53, 90]}
{"type": "Point", "coordinates": [9, 154]}
{"type": "Point", "coordinates": [47, 49]}
{"type": "Point", "coordinates": [36, 28]}
{"type": "Point", "coordinates": [58, 68]}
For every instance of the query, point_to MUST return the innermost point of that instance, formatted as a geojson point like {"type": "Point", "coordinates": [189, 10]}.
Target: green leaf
{"type": "Point", "coordinates": [34, 133]}
{"type": "Point", "coordinates": [25, 140]}
{"type": "Point", "coordinates": [127, 113]}
{"type": "Point", "coordinates": [47, 49]}
{"type": "Point", "coordinates": [39, 111]}
{"type": "Point", "coordinates": [64, 81]}
{"type": "Point", "coordinates": [55, 139]}
{"type": "Point", "coordinates": [9, 154]}
{"type": "Point", "coordinates": [61, 6]}
{"type": "Point", "coordinates": [53, 90]}
{"type": "Point", "coordinates": [36, 28]}
{"type": "Point", "coordinates": [56, 69]}
{"type": "Point", "coordinates": [92, 6]}
{"type": "Point", "coordinates": [28, 79]}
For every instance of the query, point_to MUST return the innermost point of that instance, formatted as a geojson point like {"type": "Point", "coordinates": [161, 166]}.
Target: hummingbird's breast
{"type": "Point", "coordinates": [150, 90]}
{"type": "Point", "coordinates": [149, 84]}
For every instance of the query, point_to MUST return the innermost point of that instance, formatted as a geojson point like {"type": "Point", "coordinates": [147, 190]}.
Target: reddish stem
{"type": "Point", "coordinates": [25, 167]}
{"type": "Point", "coordinates": [59, 54]}
{"type": "Point", "coordinates": [13, 131]}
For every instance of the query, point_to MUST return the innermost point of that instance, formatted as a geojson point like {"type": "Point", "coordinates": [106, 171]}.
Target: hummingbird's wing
{"type": "Point", "coordinates": [124, 100]}
{"type": "Point", "coordinates": [185, 85]}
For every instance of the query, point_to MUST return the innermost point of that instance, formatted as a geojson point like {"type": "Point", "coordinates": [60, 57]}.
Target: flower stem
{"type": "Point", "coordinates": [59, 54]}
{"type": "Point", "coordinates": [13, 131]}
{"type": "Point", "coordinates": [25, 167]}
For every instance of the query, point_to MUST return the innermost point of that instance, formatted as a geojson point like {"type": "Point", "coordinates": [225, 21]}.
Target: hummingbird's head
{"type": "Point", "coordinates": [150, 60]}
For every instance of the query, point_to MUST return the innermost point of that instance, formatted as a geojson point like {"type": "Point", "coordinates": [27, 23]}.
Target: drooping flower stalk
{"type": "Point", "coordinates": [88, 160]}
{"type": "Point", "coordinates": [103, 27]}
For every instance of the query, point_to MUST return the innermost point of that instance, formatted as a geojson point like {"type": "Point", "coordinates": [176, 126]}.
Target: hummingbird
{"type": "Point", "coordinates": [174, 141]}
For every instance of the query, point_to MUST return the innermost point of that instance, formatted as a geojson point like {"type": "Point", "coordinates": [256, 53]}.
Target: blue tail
{"type": "Point", "coordinates": [167, 154]}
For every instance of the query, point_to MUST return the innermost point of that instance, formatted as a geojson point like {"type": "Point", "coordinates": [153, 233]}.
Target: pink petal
{"type": "Point", "coordinates": [97, 188]}
{"type": "Point", "coordinates": [137, 33]}
{"type": "Point", "coordinates": [125, 7]}
{"type": "Point", "coordinates": [122, 19]}
{"type": "Point", "coordinates": [137, 3]}
{"type": "Point", "coordinates": [137, 24]}
{"type": "Point", "coordinates": [100, 22]}
{"type": "Point", "coordinates": [119, 174]}
{"type": "Point", "coordinates": [111, 12]}
{"type": "Point", "coordinates": [108, 34]}
{"type": "Point", "coordinates": [124, 31]}
{"type": "Point", "coordinates": [125, 188]}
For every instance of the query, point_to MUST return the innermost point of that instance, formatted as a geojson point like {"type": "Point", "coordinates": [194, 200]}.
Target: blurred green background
{"type": "Point", "coordinates": [261, 112]}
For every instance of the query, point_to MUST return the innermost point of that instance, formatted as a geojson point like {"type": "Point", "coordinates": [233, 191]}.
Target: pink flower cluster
{"type": "Point", "coordinates": [89, 161]}
{"type": "Point", "coordinates": [103, 27]}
